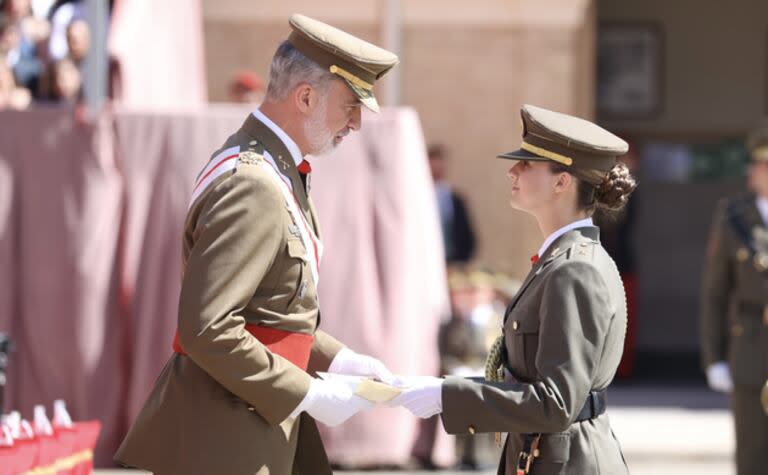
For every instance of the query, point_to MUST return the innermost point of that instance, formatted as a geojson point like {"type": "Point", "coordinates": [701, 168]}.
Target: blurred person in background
{"type": "Point", "coordinates": [463, 343]}
{"type": "Point", "coordinates": [239, 394]}
{"type": "Point", "coordinates": [63, 78]}
{"type": "Point", "coordinates": [458, 235]}
{"type": "Point", "coordinates": [60, 16]}
{"type": "Point", "coordinates": [734, 307]}
{"type": "Point", "coordinates": [247, 87]}
{"type": "Point", "coordinates": [66, 82]}
{"type": "Point", "coordinates": [461, 340]}
{"type": "Point", "coordinates": [9, 40]}
{"type": "Point", "coordinates": [41, 8]}
{"type": "Point", "coordinates": [78, 41]}
{"type": "Point", "coordinates": [29, 32]}
{"type": "Point", "coordinates": [11, 96]}
{"type": "Point", "coordinates": [546, 376]}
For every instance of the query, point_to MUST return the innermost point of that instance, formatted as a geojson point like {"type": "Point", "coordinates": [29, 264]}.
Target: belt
{"type": "Point", "coordinates": [596, 403]}
{"type": "Point", "coordinates": [594, 406]}
{"type": "Point", "coordinates": [295, 347]}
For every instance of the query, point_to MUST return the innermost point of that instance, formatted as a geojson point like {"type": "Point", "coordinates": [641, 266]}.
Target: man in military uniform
{"type": "Point", "coordinates": [239, 395]}
{"type": "Point", "coordinates": [734, 316]}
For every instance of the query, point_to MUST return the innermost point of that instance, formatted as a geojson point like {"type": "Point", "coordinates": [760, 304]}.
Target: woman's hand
{"type": "Point", "coordinates": [422, 395]}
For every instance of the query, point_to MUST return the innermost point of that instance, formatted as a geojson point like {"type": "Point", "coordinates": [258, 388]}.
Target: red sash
{"type": "Point", "coordinates": [295, 347]}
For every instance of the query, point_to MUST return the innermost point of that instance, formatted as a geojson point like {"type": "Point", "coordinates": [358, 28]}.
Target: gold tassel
{"type": "Point", "coordinates": [494, 369]}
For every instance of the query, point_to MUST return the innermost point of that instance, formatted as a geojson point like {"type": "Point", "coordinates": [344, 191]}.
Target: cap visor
{"type": "Point", "coordinates": [521, 154]}
{"type": "Point", "coordinates": [366, 96]}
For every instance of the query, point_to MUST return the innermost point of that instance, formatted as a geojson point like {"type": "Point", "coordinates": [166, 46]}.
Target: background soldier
{"type": "Point", "coordinates": [734, 317]}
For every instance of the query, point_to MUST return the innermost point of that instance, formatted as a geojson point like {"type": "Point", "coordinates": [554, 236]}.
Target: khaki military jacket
{"type": "Point", "coordinates": [224, 408]}
{"type": "Point", "coordinates": [564, 335]}
{"type": "Point", "coordinates": [734, 316]}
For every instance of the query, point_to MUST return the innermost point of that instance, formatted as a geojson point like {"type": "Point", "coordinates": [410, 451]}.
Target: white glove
{"type": "Point", "coordinates": [423, 396]}
{"type": "Point", "coordinates": [347, 361]}
{"type": "Point", "coordinates": [719, 377]}
{"type": "Point", "coordinates": [331, 402]}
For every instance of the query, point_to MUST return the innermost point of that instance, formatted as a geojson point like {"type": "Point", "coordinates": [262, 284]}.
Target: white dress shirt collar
{"type": "Point", "coordinates": [762, 206]}
{"type": "Point", "coordinates": [288, 141]}
{"type": "Point", "coordinates": [582, 223]}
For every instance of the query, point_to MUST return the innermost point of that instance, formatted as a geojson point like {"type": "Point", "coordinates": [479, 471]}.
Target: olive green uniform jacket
{"type": "Point", "coordinates": [224, 408]}
{"type": "Point", "coordinates": [734, 319]}
{"type": "Point", "coordinates": [564, 334]}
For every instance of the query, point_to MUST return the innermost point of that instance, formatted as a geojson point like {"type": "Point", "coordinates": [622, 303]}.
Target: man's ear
{"type": "Point", "coordinates": [305, 98]}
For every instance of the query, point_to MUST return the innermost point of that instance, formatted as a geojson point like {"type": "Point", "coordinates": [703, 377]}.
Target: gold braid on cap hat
{"type": "Point", "coordinates": [542, 152]}
{"type": "Point", "coordinates": [494, 369]}
{"type": "Point", "coordinates": [350, 77]}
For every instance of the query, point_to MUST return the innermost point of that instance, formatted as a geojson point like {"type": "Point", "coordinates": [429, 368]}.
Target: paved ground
{"type": "Point", "coordinates": [663, 429]}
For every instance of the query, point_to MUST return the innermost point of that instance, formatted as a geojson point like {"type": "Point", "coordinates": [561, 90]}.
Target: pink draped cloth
{"type": "Point", "coordinates": [90, 246]}
{"type": "Point", "coordinates": [58, 249]}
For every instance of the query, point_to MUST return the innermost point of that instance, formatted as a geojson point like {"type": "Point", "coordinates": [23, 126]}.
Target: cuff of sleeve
{"type": "Point", "coordinates": [324, 350]}
{"type": "Point", "coordinates": [338, 362]}
{"type": "Point", "coordinates": [307, 401]}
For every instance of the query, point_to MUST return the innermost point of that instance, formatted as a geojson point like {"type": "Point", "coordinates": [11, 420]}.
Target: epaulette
{"type": "Point", "coordinates": [249, 157]}
{"type": "Point", "coordinates": [252, 155]}
{"type": "Point", "coordinates": [583, 251]}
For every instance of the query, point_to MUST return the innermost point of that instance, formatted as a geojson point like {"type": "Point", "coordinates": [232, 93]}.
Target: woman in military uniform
{"type": "Point", "coordinates": [563, 333]}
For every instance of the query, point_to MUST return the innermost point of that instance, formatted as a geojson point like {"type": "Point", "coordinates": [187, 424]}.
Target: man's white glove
{"type": "Point", "coordinates": [422, 395]}
{"type": "Point", "coordinates": [330, 402]}
{"type": "Point", "coordinates": [719, 377]}
{"type": "Point", "coordinates": [347, 361]}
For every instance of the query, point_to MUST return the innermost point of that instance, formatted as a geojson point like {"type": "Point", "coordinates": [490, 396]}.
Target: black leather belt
{"type": "Point", "coordinates": [595, 405]}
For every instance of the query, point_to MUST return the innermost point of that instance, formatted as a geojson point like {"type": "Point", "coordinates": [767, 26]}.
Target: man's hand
{"type": "Point", "coordinates": [719, 377]}
{"type": "Point", "coordinates": [331, 402]}
{"type": "Point", "coordinates": [423, 396]}
{"type": "Point", "coordinates": [349, 362]}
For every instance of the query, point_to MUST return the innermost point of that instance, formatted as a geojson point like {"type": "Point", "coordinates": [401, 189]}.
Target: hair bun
{"type": "Point", "coordinates": [613, 193]}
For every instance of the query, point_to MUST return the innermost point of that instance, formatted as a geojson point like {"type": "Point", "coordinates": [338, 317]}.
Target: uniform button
{"type": "Point", "coordinates": [251, 408]}
{"type": "Point", "coordinates": [742, 255]}
{"type": "Point", "coordinates": [515, 325]}
{"type": "Point", "coordinates": [471, 430]}
{"type": "Point", "coordinates": [737, 330]}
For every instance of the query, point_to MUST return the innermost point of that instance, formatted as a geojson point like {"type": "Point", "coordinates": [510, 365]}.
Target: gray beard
{"type": "Point", "coordinates": [319, 137]}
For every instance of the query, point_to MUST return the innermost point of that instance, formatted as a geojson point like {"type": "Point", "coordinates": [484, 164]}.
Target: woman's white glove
{"type": "Point", "coordinates": [719, 377]}
{"type": "Point", "coordinates": [422, 395]}
{"type": "Point", "coordinates": [347, 361]}
{"type": "Point", "coordinates": [331, 402]}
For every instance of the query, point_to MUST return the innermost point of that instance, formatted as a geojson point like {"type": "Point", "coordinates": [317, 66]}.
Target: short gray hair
{"type": "Point", "coordinates": [291, 68]}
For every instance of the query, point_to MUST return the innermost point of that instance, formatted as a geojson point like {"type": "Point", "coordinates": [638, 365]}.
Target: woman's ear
{"type": "Point", "coordinates": [563, 182]}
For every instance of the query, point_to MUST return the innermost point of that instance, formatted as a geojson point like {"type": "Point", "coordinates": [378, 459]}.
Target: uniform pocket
{"type": "Point", "coordinates": [522, 344]}
{"type": "Point", "coordinates": [295, 272]}
{"type": "Point", "coordinates": [744, 345]}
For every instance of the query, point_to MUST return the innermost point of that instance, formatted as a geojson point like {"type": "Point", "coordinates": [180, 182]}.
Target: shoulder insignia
{"type": "Point", "coordinates": [249, 157]}
{"type": "Point", "coordinates": [582, 250]}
